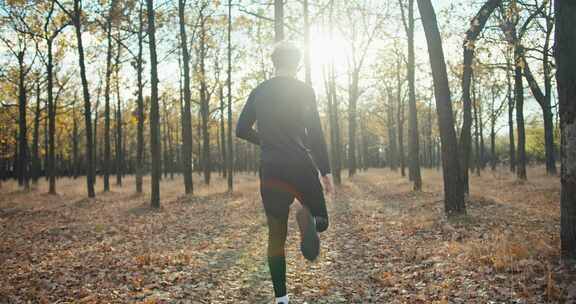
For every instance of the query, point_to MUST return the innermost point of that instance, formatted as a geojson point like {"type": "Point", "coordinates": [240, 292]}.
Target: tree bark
{"type": "Point", "coordinates": [392, 139]}
{"type": "Point", "coordinates": [476, 137]}
{"type": "Point", "coordinates": [519, 101]}
{"type": "Point", "coordinates": [336, 141]}
{"type": "Point", "coordinates": [352, 122]}
{"type": "Point", "coordinates": [154, 109]}
{"type": "Point", "coordinates": [140, 105]}
{"type": "Point", "coordinates": [222, 133]}
{"type": "Point", "coordinates": [36, 137]}
{"type": "Point", "coordinates": [400, 120]}
{"type": "Point", "coordinates": [51, 164]}
{"type": "Point", "coordinates": [204, 106]}
{"type": "Point", "coordinates": [453, 190]}
{"type": "Point", "coordinates": [107, 152]}
{"type": "Point", "coordinates": [75, 163]}
{"type": "Point", "coordinates": [186, 114]}
{"type": "Point", "coordinates": [545, 102]}
{"type": "Point", "coordinates": [307, 66]}
{"type": "Point", "coordinates": [119, 145]}
{"type": "Point", "coordinates": [23, 177]}
{"type": "Point", "coordinates": [511, 106]}
{"type": "Point", "coordinates": [335, 129]}
{"type": "Point", "coordinates": [230, 158]}
{"type": "Point", "coordinates": [413, 142]}
{"type": "Point", "coordinates": [565, 49]}
{"type": "Point", "coordinates": [278, 20]}
{"type": "Point", "coordinates": [476, 27]}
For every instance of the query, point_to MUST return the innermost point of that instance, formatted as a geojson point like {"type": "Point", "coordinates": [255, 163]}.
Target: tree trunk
{"type": "Point", "coordinates": [476, 137]}
{"type": "Point", "coordinates": [46, 139]}
{"type": "Point", "coordinates": [119, 145]}
{"type": "Point", "coordinates": [400, 119]}
{"type": "Point", "coordinates": [544, 100]}
{"type": "Point", "coordinates": [107, 152]}
{"type": "Point", "coordinates": [154, 109]}
{"type": "Point", "coordinates": [278, 20]}
{"type": "Point", "coordinates": [493, 158]}
{"type": "Point", "coordinates": [307, 67]}
{"type": "Point", "coordinates": [392, 140]}
{"type": "Point", "coordinates": [544, 97]}
{"type": "Point", "coordinates": [140, 105]}
{"type": "Point", "coordinates": [51, 164]}
{"type": "Point", "coordinates": [186, 114]}
{"type": "Point", "coordinates": [453, 189]}
{"type": "Point", "coordinates": [566, 76]}
{"type": "Point", "coordinates": [413, 143]}
{"type": "Point", "coordinates": [204, 106]}
{"type": "Point", "coordinates": [519, 101]}
{"type": "Point", "coordinates": [336, 142]}
{"type": "Point", "coordinates": [549, 141]}
{"type": "Point", "coordinates": [477, 25]}
{"type": "Point", "coordinates": [335, 130]}
{"type": "Point", "coordinates": [223, 133]}
{"type": "Point", "coordinates": [23, 177]}
{"type": "Point", "coordinates": [511, 105]}
{"type": "Point", "coordinates": [430, 139]}
{"type": "Point", "coordinates": [75, 162]}
{"type": "Point", "coordinates": [352, 121]}
{"type": "Point", "coordinates": [36, 137]}
{"type": "Point", "coordinates": [95, 149]}
{"type": "Point", "coordinates": [230, 158]}
{"type": "Point", "coordinates": [482, 159]}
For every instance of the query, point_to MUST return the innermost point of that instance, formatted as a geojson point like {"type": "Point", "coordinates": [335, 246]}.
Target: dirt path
{"type": "Point", "coordinates": [386, 244]}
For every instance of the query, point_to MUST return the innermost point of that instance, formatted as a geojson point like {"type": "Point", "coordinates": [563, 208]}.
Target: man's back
{"type": "Point", "coordinates": [285, 112]}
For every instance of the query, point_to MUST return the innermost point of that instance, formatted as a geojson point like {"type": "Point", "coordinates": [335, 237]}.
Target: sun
{"type": "Point", "coordinates": [325, 49]}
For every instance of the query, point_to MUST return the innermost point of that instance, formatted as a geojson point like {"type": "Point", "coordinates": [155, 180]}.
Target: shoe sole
{"type": "Point", "coordinates": [310, 242]}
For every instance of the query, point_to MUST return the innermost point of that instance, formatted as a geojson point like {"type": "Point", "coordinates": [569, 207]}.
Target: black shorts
{"type": "Point", "coordinates": [281, 183]}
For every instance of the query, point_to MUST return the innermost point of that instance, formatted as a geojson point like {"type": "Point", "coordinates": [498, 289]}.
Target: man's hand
{"type": "Point", "coordinates": [327, 184]}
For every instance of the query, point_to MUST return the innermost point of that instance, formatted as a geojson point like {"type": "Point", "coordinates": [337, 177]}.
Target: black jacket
{"type": "Point", "coordinates": [288, 123]}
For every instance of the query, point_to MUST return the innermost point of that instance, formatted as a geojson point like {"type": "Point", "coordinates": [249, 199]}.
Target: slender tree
{"type": "Point", "coordinates": [476, 27]}
{"type": "Point", "coordinates": [119, 123]}
{"type": "Point", "coordinates": [230, 158]}
{"type": "Point", "coordinates": [400, 115]}
{"type": "Point", "coordinates": [413, 143]}
{"type": "Point", "coordinates": [186, 114]}
{"type": "Point", "coordinates": [36, 163]}
{"type": "Point", "coordinates": [140, 102]}
{"type": "Point", "coordinates": [544, 97]}
{"type": "Point", "coordinates": [307, 67]}
{"type": "Point", "coordinates": [49, 35]}
{"type": "Point", "coordinates": [19, 49]}
{"type": "Point", "coordinates": [511, 106]}
{"type": "Point", "coordinates": [155, 146]}
{"type": "Point", "coordinates": [513, 38]}
{"type": "Point", "coordinates": [453, 189]}
{"type": "Point", "coordinates": [278, 20]}
{"type": "Point", "coordinates": [205, 97]}
{"type": "Point", "coordinates": [222, 133]}
{"type": "Point", "coordinates": [565, 49]}
{"type": "Point", "coordinates": [107, 87]}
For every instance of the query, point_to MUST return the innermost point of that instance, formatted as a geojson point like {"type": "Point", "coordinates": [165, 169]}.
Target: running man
{"type": "Point", "coordinates": [292, 152]}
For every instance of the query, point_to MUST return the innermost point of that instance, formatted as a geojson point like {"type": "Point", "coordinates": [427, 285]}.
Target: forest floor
{"type": "Point", "coordinates": [386, 244]}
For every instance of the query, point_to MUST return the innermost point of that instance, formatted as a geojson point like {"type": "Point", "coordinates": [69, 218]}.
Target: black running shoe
{"type": "Point", "coordinates": [309, 240]}
{"type": "Point", "coordinates": [321, 223]}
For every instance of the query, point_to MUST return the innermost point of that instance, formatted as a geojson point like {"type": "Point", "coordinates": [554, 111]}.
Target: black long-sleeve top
{"type": "Point", "coordinates": [288, 123]}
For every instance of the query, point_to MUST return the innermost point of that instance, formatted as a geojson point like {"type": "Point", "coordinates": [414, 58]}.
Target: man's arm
{"type": "Point", "coordinates": [316, 137]}
{"type": "Point", "coordinates": [245, 126]}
